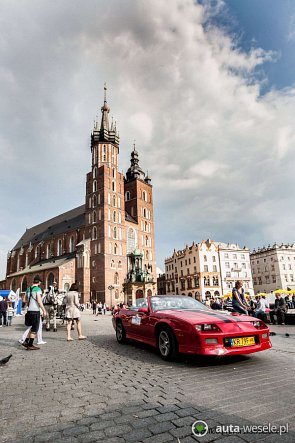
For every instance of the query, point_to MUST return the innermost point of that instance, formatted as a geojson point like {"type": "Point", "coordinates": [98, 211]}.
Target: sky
{"type": "Point", "coordinates": [205, 88]}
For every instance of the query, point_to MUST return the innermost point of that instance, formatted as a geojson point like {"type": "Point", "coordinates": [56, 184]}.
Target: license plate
{"type": "Point", "coordinates": [136, 320]}
{"type": "Point", "coordinates": [243, 341]}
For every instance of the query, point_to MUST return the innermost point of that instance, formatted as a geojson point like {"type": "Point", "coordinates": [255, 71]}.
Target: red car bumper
{"type": "Point", "coordinates": [223, 345]}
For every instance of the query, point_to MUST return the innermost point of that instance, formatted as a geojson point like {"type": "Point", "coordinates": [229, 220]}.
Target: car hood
{"type": "Point", "coordinates": [200, 316]}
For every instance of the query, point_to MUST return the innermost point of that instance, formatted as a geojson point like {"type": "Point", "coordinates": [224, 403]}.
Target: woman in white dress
{"type": "Point", "coordinates": [73, 312]}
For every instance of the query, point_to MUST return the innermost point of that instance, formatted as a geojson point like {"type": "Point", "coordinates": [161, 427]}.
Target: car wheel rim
{"type": "Point", "coordinates": [119, 332]}
{"type": "Point", "coordinates": [164, 343]}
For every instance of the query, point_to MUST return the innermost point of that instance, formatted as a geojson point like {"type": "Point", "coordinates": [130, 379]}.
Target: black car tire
{"type": "Point", "coordinates": [167, 344]}
{"type": "Point", "coordinates": [120, 333]}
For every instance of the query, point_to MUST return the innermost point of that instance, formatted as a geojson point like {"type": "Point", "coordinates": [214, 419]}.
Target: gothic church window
{"type": "Point", "coordinates": [144, 196]}
{"type": "Point", "coordinates": [72, 244]}
{"type": "Point", "coordinates": [94, 186]}
{"type": "Point", "coordinates": [127, 196]}
{"type": "Point", "coordinates": [94, 233]}
{"type": "Point", "coordinates": [59, 247]}
{"type": "Point", "coordinates": [94, 201]}
{"type": "Point", "coordinates": [94, 217]}
{"type": "Point", "coordinates": [131, 240]}
{"type": "Point", "coordinates": [95, 172]}
{"type": "Point", "coordinates": [116, 278]}
{"type": "Point", "coordinates": [114, 200]}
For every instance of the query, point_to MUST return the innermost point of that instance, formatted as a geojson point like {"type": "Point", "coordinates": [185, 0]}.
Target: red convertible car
{"type": "Point", "coordinates": [180, 324]}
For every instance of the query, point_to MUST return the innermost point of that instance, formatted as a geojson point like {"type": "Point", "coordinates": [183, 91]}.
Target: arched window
{"type": "Point", "coordinates": [72, 244]}
{"type": "Point", "coordinates": [24, 286]}
{"type": "Point", "coordinates": [131, 240]}
{"type": "Point", "coordinates": [94, 233]}
{"type": "Point", "coordinates": [115, 249]}
{"type": "Point", "coordinates": [13, 285]}
{"type": "Point", "coordinates": [66, 287]}
{"type": "Point", "coordinates": [50, 279]}
{"type": "Point", "coordinates": [144, 196]}
{"type": "Point", "coordinates": [94, 217]}
{"type": "Point", "coordinates": [144, 212]}
{"type": "Point", "coordinates": [116, 278]}
{"type": "Point", "coordinates": [145, 226]}
{"type": "Point", "coordinates": [94, 201]}
{"type": "Point", "coordinates": [115, 232]}
{"type": "Point", "coordinates": [94, 186]}
{"type": "Point", "coordinates": [113, 186]}
{"type": "Point", "coordinates": [146, 240]}
{"type": "Point", "coordinates": [119, 264]}
{"type": "Point", "coordinates": [59, 247]}
{"type": "Point", "coordinates": [95, 172]}
{"type": "Point", "coordinates": [114, 200]}
{"type": "Point", "coordinates": [197, 296]}
{"type": "Point", "coordinates": [114, 172]}
{"type": "Point", "coordinates": [114, 216]}
{"type": "Point", "coordinates": [112, 264]}
{"type": "Point", "coordinates": [116, 294]}
{"type": "Point", "coordinates": [127, 196]}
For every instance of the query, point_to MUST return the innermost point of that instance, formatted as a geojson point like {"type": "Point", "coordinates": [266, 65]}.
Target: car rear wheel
{"type": "Point", "coordinates": [120, 333]}
{"type": "Point", "coordinates": [167, 344]}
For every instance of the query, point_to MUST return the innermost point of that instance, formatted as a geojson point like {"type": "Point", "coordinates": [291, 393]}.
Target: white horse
{"type": "Point", "coordinates": [50, 303]}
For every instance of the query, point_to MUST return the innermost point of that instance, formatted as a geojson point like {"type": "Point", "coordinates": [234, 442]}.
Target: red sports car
{"type": "Point", "coordinates": [180, 324]}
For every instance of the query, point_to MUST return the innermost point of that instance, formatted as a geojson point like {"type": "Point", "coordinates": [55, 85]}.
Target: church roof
{"type": "Point", "coordinates": [44, 265]}
{"type": "Point", "coordinates": [68, 221]}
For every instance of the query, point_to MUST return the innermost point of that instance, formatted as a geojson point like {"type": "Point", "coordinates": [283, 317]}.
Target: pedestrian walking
{"type": "Point", "coordinates": [73, 312]}
{"type": "Point", "coordinates": [104, 308]}
{"type": "Point", "coordinates": [94, 307]}
{"type": "Point", "coordinates": [10, 312]}
{"type": "Point", "coordinates": [35, 304]}
{"type": "Point", "coordinates": [3, 312]}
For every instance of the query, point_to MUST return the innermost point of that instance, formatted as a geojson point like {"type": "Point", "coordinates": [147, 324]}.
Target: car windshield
{"type": "Point", "coordinates": [176, 302]}
{"type": "Point", "coordinates": [139, 303]}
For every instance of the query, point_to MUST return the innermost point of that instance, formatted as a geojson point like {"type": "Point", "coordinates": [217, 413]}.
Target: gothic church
{"type": "Point", "coordinates": [106, 245]}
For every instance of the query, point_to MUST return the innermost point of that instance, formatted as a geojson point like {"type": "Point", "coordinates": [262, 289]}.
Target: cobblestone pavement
{"type": "Point", "coordinates": [98, 390]}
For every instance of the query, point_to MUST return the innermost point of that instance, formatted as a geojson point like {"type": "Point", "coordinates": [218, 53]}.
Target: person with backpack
{"type": "Point", "coordinates": [35, 304]}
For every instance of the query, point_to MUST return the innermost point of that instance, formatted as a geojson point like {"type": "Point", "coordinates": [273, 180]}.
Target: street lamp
{"type": "Point", "coordinates": [111, 289]}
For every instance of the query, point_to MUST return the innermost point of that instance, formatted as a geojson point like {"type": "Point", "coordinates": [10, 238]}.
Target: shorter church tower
{"type": "Point", "coordinates": [141, 278]}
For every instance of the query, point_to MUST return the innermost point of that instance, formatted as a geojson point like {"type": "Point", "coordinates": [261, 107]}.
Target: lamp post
{"type": "Point", "coordinates": [111, 294]}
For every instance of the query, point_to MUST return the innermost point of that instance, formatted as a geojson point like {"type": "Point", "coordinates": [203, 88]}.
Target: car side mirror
{"type": "Point", "coordinates": [144, 310]}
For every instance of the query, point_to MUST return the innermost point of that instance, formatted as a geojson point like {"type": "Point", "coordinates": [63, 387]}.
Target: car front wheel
{"type": "Point", "coordinates": [120, 333]}
{"type": "Point", "coordinates": [167, 344]}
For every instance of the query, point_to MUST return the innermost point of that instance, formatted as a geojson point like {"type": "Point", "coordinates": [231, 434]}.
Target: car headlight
{"type": "Point", "coordinates": [206, 327]}
{"type": "Point", "coordinates": [256, 324]}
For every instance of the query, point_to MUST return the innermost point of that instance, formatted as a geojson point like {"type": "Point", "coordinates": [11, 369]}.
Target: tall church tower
{"type": "Point", "coordinates": [105, 212]}
{"type": "Point", "coordinates": [119, 221]}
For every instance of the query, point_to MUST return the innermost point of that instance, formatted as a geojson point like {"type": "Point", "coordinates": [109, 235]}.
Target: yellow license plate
{"type": "Point", "coordinates": [243, 341]}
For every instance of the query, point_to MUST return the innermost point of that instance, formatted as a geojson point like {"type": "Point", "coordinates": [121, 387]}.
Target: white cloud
{"type": "Point", "coordinates": [215, 149]}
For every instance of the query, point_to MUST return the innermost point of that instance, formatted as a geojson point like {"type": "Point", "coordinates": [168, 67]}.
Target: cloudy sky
{"type": "Point", "coordinates": [205, 88]}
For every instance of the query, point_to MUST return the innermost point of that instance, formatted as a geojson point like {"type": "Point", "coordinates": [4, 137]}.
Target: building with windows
{"type": "Point", "coordinates": [207, 269]}
{"type": "Point", "coordinates": [107, 244]}
{"type": "Point", "coordinates": [273, 267]}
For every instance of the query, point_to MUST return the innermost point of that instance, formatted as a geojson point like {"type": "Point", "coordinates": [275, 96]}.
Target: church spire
{"type": "Point", "coordinates": [105, 109]}
{"type": "Point", "coordinates": [104, 133]}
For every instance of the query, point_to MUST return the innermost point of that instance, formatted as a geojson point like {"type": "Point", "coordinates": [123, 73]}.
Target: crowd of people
{"type": "Point", "coordinates": [36, 313]}
{"type": "Point", "coordinates": [258, 306]}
